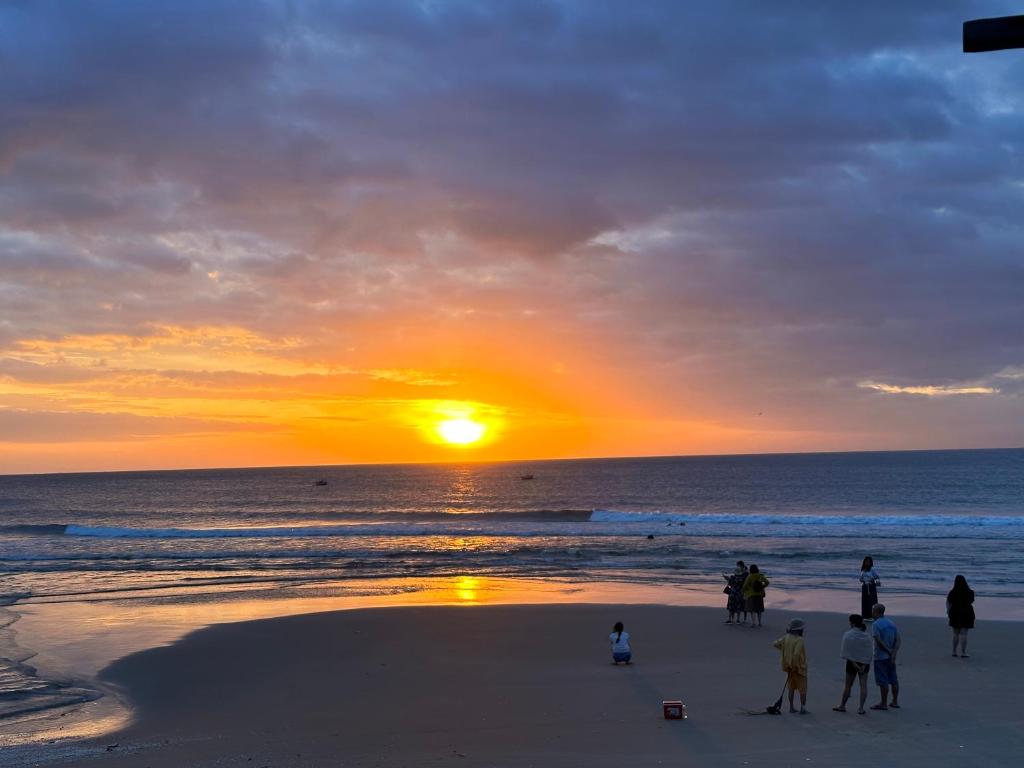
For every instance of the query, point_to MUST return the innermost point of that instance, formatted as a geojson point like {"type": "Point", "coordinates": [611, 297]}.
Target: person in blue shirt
{"type": "Point", "coordinates": [887, 645]}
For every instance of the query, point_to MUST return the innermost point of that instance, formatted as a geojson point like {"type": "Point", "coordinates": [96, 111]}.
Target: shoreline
{"type": "Point", "coordinates": [489, 685]}
{"type": "Point", "coordinates": [82, 657]}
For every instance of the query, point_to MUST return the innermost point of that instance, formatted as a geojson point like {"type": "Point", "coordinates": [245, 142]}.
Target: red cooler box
{"type": "Point", "coordinates": [674, 710]}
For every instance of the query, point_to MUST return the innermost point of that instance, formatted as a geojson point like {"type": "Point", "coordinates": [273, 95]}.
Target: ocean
{"type": "Point", "coordinates": [676, 523]}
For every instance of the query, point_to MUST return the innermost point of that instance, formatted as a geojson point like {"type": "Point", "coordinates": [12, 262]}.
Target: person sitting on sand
{"type": "Point", "coordinates": [960, 609]}
{"type": "Point", "coordinates": [887, 644]}
{"type": "Point", "coordinates": [753, 593]}
{"type": "Point", "coordinates": [621, 652]}
{"type": "Point", "coordinates": [736, 604]}
{"type": "Point", "coordinates": [794, 662]}
{"type": "Point", "coordinates": [857, 649]}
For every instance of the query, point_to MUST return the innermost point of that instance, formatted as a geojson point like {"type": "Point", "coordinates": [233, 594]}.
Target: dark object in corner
{"type": "Point", "coordinates": [996, 34]}
{"type": "Point", "coordinates": [776, 708]}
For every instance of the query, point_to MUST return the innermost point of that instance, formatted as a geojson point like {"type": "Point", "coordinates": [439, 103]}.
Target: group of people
{"type": "Point", "coordinates": [860, 647]}
{"type": "Point", "coordinates": [746, 591]}
{"type": "Point", "coordinates": [959, 604]}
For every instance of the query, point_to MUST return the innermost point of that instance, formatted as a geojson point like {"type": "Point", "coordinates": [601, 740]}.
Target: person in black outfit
{"type": "Point", "coordinates": [960, 609]}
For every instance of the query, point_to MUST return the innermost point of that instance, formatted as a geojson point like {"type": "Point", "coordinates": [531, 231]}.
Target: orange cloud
{"type": "Point", "coordinates": [183, 394]}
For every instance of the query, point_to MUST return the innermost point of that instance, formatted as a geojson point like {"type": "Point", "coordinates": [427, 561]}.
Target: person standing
{"type": "Point", "coordinates": [869, 583]}
{"type": "Point", "coordinates": [753, 593]}
{"type": "Point", "coordinates": [735, 604]}
{"type": "Point", "coordinates": [794, 662]}
{"type": "Point", "coordinates": [857, 649]}
{"type": "Point", "coordinates": [960, 609]}
{"type": "Point", "coordinates": [887, 645]}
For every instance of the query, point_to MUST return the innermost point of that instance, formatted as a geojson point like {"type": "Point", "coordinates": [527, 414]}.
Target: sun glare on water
{"type": "Point", "coordinates": [461, 431]}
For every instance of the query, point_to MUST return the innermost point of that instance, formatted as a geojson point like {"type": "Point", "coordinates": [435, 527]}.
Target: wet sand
{"type": "Point", "coordinates": [533, 685]}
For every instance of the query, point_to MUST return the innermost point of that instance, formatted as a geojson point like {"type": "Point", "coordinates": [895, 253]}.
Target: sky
{"type": "Point", "coordinates": [269, 233]}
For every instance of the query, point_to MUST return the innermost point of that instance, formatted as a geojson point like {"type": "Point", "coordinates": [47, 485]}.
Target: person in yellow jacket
{"type": "Point", "coordinates": [794, 663]}
{"type": "Point", "coordinates": [753, 595]}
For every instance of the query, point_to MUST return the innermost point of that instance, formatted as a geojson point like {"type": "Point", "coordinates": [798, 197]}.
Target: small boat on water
{"type": "Point", "coordinates": [320, 482]}
{"type": "Point", "coordinates": [526, 477]}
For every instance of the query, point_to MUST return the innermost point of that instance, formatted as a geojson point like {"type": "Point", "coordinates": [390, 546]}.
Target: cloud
{"type": "Point", "coordinates": [697, 204]}
{"type": "Point", "coordinates": [929, 390]}
{"type": "Point", "coordinates": [1014, 374]}
{"type": "Point", "coordinates": [27, 426]}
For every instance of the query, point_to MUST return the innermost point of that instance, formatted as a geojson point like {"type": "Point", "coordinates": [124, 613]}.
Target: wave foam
{"type": "Point", "coordinates": [599, 522]}
{"type": "Point", "coordinates": [758, 518]}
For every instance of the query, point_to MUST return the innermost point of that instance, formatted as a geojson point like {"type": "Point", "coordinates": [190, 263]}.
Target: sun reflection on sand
{"type": "Point", "coordinates": [76, 639]}
{"type": "Point", "coordinates": [466, 588]}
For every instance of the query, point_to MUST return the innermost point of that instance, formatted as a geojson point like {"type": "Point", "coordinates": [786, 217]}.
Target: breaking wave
{"type": "Point", "coordinates": [598, 522]}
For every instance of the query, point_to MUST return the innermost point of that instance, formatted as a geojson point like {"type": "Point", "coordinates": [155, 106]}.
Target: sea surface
{"type": "Point", "coordinates": [805, 519]}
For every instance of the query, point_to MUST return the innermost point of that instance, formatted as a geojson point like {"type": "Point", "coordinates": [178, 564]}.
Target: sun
{"type": "Point", "coordinates": [461, 431]}
{"type": "Point", "coordinates": [457, 424]}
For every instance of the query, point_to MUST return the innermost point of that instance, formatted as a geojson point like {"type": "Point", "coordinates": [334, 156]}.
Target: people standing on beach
{"type": "Point", "coordinates": [869, 583]}
{"type": "Point", "coordinates": [857, 649]}
{"type": "Point", "coordinates": [753, 594]}
{"type": "Point", "coordinates": [794, 662]}
{"type": "Point", "coordinates": [960, 609]}
{"type": "Point", "coordinates": [621, 651]}
{"type": "Point", "coordinates": [887, 644]}
{"type": "Point", "coordinates": [736, 604]}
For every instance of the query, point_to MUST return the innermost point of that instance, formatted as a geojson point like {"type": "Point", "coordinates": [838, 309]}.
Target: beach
{"type": "Point", "coordinates": [533, 685]}
{"type": "Point", "coordinates": [410, 615]}
{"type": "Point", "coordinates": [418, 614]}
{"type": "Point", "coordinates": [363, 364]}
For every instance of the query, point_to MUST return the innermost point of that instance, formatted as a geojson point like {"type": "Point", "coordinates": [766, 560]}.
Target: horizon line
{"type": "Point", "coordinates": [509, 461]}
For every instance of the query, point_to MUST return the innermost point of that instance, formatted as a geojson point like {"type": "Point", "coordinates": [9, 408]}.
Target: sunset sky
{"type": "Point", "coordinates": [265, 233]}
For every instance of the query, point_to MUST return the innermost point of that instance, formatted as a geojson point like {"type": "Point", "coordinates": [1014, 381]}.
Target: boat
{"type": "Point", "coordinates": [526, 477]}
{"type": "Point", "coordinates": [320, 482]}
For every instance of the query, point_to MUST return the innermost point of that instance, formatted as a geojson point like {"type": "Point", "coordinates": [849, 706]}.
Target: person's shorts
{"type": "Point", "coordinates": [885, 672]}
{"type": "Point", "coordinates": [621, 657]}
{"type": "Point", "coordinates": [851, 668]}
{"type": "Point", "coordinates": [798, 683]}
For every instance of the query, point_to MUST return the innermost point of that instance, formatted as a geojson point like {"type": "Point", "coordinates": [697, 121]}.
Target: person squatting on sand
{"type": "Point", "coordinates": [869, 584]}
{"type": "Point", "coordinates": [621, 652]}
{"type": "Point", "coordinates": [736, 603]}
{"type": "Point", "coordinates": [753, 594]}
{"type": "Point", "coordinates": [794, 662]}
{"type": "Point", "coordinates": [857, 649]}
{"type": "Point", "coordinates": [887, 645]}
{"type": "Point", "coordinates": [960, 610]}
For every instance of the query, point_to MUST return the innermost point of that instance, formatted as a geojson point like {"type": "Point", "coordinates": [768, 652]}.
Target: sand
{"type": "Point", "coordinates": [534, 686]}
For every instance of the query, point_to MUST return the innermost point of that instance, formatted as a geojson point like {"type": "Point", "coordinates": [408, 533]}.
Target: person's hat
{"type": "Point", "coordinates": [795, 625]}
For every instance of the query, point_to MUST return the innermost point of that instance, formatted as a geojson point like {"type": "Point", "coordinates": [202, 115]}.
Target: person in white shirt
{"type": "Point", "coordinates": [857, 649]}
{"type": "Point", "coordinates": [869, 583]}
{"type": "Point", "coordinates": [621, 652]}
